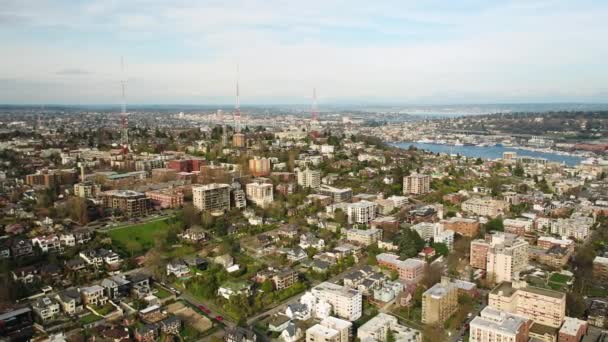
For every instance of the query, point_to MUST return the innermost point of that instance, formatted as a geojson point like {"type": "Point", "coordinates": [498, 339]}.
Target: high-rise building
{"type": "Point", "coordinates": [238, 140]}
{"type": "Point", "coordinates": [345, 303]}
{"type": "Point", "coordinates": [86, 189]}
{"type": "Point", "coordinates": [507, 257]}
{"type": "Point", "coordinates": [211, 197]}
{"type": "Point", "coordinates": [260, 193]}
{"type": "Point", "coordinates": [309, 178]}
{"type": "Point", "coordinates": [361, 212]}
{"type": "Point", "coordinates": [496, 325]}
{"type": "Point", "coordinates": [479, 253]}
{"type": "Point", "coordinates": [416, 184]}
{"type": "Point", "coordinates": [259, 167]}
{"type": "Point", "coordinates": [439, 302]}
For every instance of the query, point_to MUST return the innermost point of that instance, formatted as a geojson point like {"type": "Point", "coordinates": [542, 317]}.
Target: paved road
{"type": "Point", "coordinates": [214, 312]}
{"type": "Point", "coordinates": [484, 302]}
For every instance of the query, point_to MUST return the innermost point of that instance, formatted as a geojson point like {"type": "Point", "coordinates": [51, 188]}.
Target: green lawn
{"type": "Point", "coordinates": [162, 293]}
{"type": "Point", "coordinates": [90, 318]}
{"type": "Point", "coordinates": [137, 238]}
{"type": "Point", "coordinates": [188, 333]}
{"type": "Point", "coordinates": [103, 310]}
{"type": "Point", "coordinates": [559, 278]}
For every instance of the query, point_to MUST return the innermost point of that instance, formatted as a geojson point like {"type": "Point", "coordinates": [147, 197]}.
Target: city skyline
{"type": "Point", "coordinates": [412, 52]}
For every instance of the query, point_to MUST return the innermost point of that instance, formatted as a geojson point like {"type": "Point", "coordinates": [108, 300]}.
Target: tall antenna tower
{"type": "Point", "coordinates": [315, 111]}
{"type": "Point", "coordinates": [124, 132]}
{"type": "Point", "coordinates": [237, 107]}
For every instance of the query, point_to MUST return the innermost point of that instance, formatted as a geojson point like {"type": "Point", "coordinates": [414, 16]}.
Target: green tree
{"type": "Point", "coordinates": [409, 242]}
{"type": "Point", "coordinates": [495, 225]}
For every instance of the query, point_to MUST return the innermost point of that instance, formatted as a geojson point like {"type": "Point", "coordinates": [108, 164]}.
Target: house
{"type": "Point", "coordinates": [70, 300]}
{"type": "Point", "coordinates": [196, 262]}
{"type": "Point", "coordinates": [296, 254]}
{"type": "Point", "coordinates": [177, 269]}
{"type": "Point", "coordinates": [46, 309]}
{"type": "Point", "coordinates": [116, 287]}
{"type": "Point", "coordinates": [170, 325]}
{"type": "Point", "coordinates": [239, 334]}
{"type": "Point", "coordinates": [111, 259]}
{"type": "Point", "coordinates": [50, 272]}
{"type": "Point", "coordinates": [25, 275]}
{"type": "Point", "coordinates": [292, 333]}
{"type": "Point", "coordinates": [93, 295]}
{"type": "Point", "coordinates": [75, 264]}
{"type": "Point", "coordinates": [225, 260]}
{"type": "Point", "coordinates": [194, 234]}
{"type": "Point", "coordinates": [67, 240]}
{"type": "Point", "coordinates": [298, 311]}
{"type": "Point", "coordinates": [82, 235]}
{"type": "Point", "coordinates": [21, 248]}
{"type": "Point", "coordinates": [140, 284]}
{"type": "Point", "coordinates": [278, 323]}
{"type": "Point", "coordinates": [308, 240]}
{"type": "Point", "coordinates": [48, 244]}
{"type": "Point", "coordinates": [91, 257]}
{"type": "Point", "coordinates": [146, 333]}
{"type": "Point", "coordinates": [232, 288]}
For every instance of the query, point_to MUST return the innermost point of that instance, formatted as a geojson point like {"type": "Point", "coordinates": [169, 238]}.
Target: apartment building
{"type": "Point", "coordinates": [259, 167]}
{"type": "Point", "coordinates": [364, 237]}
{"type": "Point", "coordinates": [346, 303]}
{"type": "Point", "coordinates": [439, 302]}
{"type": "Point", "coordinates": [572, 330]}
{"type": "Point", "coordinates": [507, 256]}
{"type": "Point", "coordinates": [543, 306]}
{"type": "Point", "coordinates": [600, 269]}
{"type": "Point", "coordinates": [463, 226]}
{"type": "Point", "coordinates": [361, 212]}
{"type": "Point", "coordinates": [284, 279]}
{"type": "Point", "coordinates": [330, 329]}
{"type": "Point", "coordinates": [308, 178]}
{"type": "Point", "coordinates": [495, 325]}
{"type": "Point", "coordinates": [479, 253]}
{"type": "Point", "coordinates": [485, 207]}
{"type": "Point", "coordinates": [52, 178]}
{"type": "Point", "coordinates": [238, 140]}
{"type": "Point", "coordinates": [577, 227]}
{"type": "Point", "coordinates": [166, 198]}
{"type": "Point", "coordinates": [186, 165]}
{"type": "Point", "coordinates": [435, 231]}
{"type": "Point", "coordinates": [129, 203]}
{"type": "Point", "coordinates": [211, 197]}
{"type": "Point", "coordinates": [260, 192]}
{"type": "Point", "coordinates": [546, 242]}
{"type": "Point", "coordinates": [377, 328]}
{"type": "Point", "coordinates": [337, 194]}
{"type": "Point", "coordinates": [416, 184]}
{"type": "Point", "coordinates": [517, 226]}
{"type": "Point", "coordinates": [86, 190]}
{"type": "Point", "coordinates": [409, 269]}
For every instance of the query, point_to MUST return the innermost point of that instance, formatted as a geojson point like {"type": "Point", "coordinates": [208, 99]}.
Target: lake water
{"type": "Point", "coordinates": [490, 152]}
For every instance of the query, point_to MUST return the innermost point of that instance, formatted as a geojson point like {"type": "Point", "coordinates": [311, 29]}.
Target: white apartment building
{"type": "Point", "coordinates": [260, 193]}
{"type": "Point", "coordinates": [211, 197]}
{"type": "Point", "coordinates": [572, 227]}
{"type": "Point", "coordinates": [337, 194]}
{"type": "Point", "coordinates": [361, 212]}
{"type": "Point", "coordinates": [364, 237]}
{"type": "Point", "coordinates": [309, 178]}
{"type": "Point", "coordinates": [416, 184]}
{"type": "Point", "coordinates": [507, 257]}
{"type": "Point", "coordinates": [330, 328]}
{"type": "Point", "coordinates": [377, 328]}
{"type": "Point", "coordinates": [495, 325]}
{"type": "Point", "coordinates": [345, 303]}
{"type": "Point", "coordinates": [435, 231]}
{"type": "Point", "coordinates": [485, 207]}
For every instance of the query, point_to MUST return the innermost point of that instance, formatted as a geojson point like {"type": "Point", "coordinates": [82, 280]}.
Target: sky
{"type": "Point", "coordinates": [351, 51]}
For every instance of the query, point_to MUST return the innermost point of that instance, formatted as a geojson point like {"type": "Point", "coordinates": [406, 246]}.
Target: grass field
{"type": "Point", "coordinates": [90, 318]}
{"type": "Point", "coordinates": [138, 238]}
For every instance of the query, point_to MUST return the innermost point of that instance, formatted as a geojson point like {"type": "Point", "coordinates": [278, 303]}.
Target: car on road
{"type": "Point", "coordinates": [204, 309]}
{"type": "Point", "coordinates": [219, 318]}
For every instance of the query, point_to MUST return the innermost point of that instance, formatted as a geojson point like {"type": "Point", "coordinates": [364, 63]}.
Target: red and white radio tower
{"type": "Point", "coordinates": [315, 111]}
{"type": "Point", "coordinates": [124, 132]}
{"type": "Point", "coordinates": [237, 107]}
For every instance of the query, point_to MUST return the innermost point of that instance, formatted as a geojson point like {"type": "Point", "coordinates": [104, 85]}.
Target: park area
{"type": "Point", "coordinates": [138, 238]}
